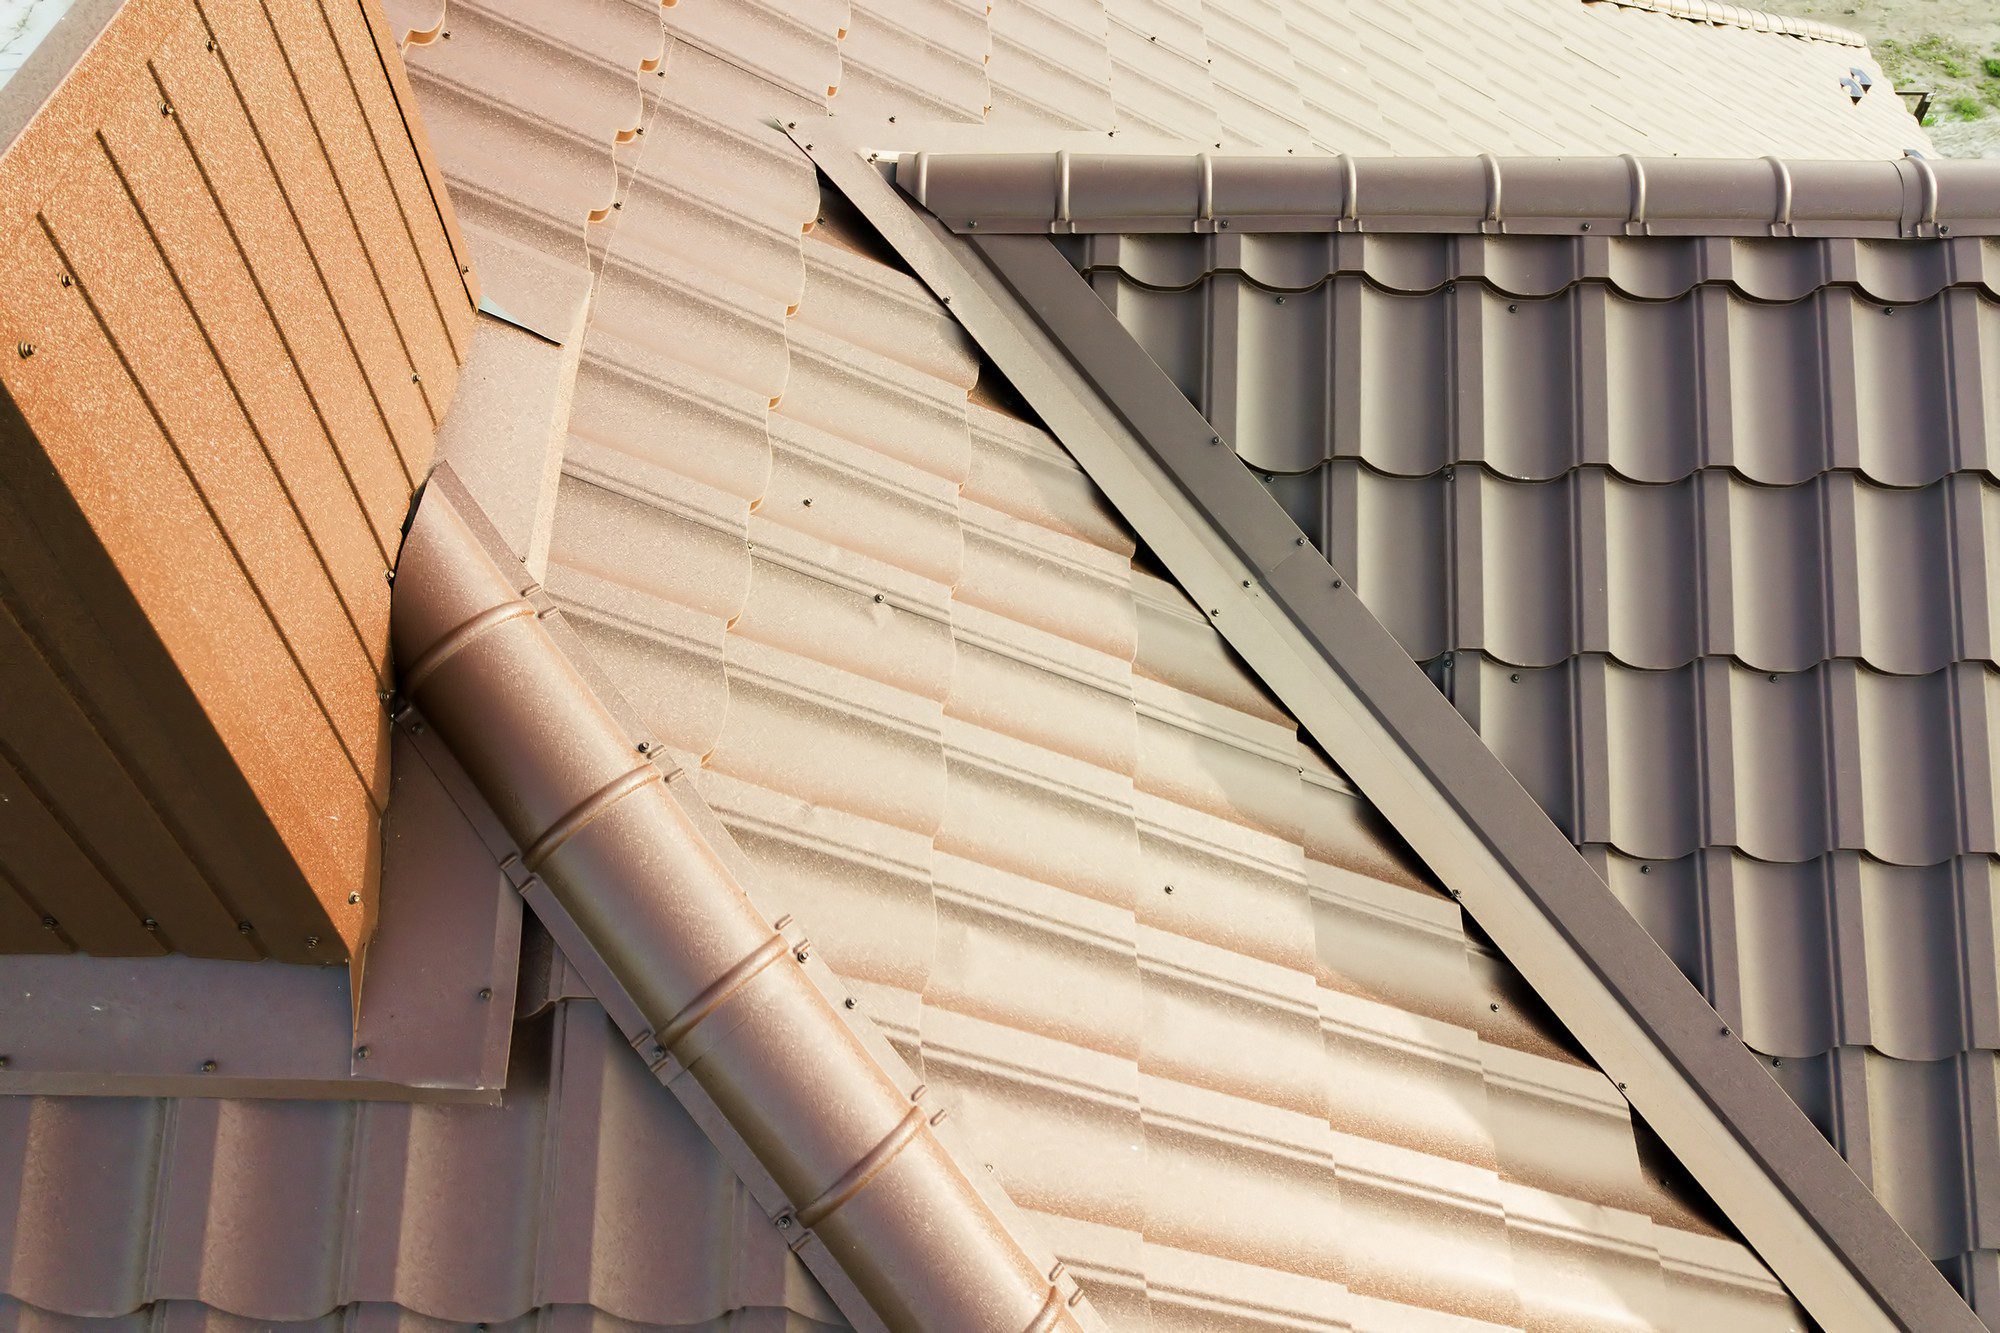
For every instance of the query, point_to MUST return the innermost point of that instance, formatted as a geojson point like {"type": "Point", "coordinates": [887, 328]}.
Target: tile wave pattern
{"type": "Point", "coordinates": [1695, 533]}
{"type": "Point", "coordinates": [1060, 844]}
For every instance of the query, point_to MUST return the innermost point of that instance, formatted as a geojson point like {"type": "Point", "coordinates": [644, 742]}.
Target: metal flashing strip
{"type": "Point", "coordinates": [648, 896]}
{"type": "Point", "coordinates": [1006, 193]}
{"type": "Point", "coordinates": [432, 1023]}
{"type": "Point", "coordinates": [1288, 613]}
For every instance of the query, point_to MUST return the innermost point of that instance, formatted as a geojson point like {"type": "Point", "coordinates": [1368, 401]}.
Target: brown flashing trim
{"type": "Point", "coordinates": [435, 1014]}
{"type": "Point", "coordinates": [647, 895]}
{"type": "Point", "coordinates": [990, 193]}
{"type": "Point", "coordinates": [1736, 16]}
{"type": "Point", "coordinates": [1354, 690]}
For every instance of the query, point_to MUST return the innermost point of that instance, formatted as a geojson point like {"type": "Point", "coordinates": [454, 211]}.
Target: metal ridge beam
{"type": "Point", "coordinates": [733, 1011]}
{"type": "Point", "coordinates": [1065, 192]}
{"type": "Point", "coordinates": [1289, 614]}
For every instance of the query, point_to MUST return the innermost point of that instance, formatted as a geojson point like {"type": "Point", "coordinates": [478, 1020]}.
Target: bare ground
{"type": "Point", "coordinates": [1941, 45]}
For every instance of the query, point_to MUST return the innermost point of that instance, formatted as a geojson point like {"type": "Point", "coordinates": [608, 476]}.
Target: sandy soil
{"type": "Point", "coordinates": [1976, 23]}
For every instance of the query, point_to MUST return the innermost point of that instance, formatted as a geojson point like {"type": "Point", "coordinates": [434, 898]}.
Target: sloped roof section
{"type": "Point", "coordinates": [1798, 778]}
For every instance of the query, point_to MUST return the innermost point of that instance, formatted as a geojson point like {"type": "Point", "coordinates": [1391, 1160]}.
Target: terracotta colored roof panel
{"type": "Point", "coordinates": [225, 252]}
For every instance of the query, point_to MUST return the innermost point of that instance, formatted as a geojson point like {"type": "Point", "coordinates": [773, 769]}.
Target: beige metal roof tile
{"type": "Point", "coordinates": [915, 60]}
{"type": "Point", "coordinates": [805, 728]}
{"type": "Point", "coordinates": [1051, 64]}
{"type": "Point", "coordinates": [793, 45]}
{"type": "Point", "coordinates": [1426, 1232]}
{"type": "Point", "coordinates": [616, 516]}
{"type": "Point", "coordinates": [1223, 1020]}
{"type": "Point", "coordinates": [1211, 758]}
{"type": "Point", "coordinates": [1041, 688]}
{"type": "Point", "coordinates": [1040, 814]}
{"type": "Point", "coordinates": [819, 602]}
{"type": "Point", "coordinates": [1160, 78]}
{"type": "Point", "coordinates": [883, 311]}
{"type": "Point", "coordinates": [838, 491]}
{"type": "Point", "coordinates": [1219, 881]}
{"type": "Point", "coordinates": [1398, 1078]}
{"type": "Point", "coordinates": [1020, 470]}
{"type": "Point", "coordinates": [1043, 578]}
{"type": "Point", "coordinates": [665, 656]}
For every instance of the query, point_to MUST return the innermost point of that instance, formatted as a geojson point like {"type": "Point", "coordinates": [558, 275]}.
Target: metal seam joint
{"type": "Point", "coordinates": [588, 811]}
{"type": "Point", "coordinates": [712, 996]}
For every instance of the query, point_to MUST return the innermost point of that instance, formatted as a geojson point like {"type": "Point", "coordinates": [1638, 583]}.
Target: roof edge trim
{"type": "Point", "coordinates": [1285, 610]}
{"type": "Point", "coordinates": [1736, 16]}
{"type": "Point", "coordinates": [734, 1011]}
{"type": "Point", "coordinates": [1068, 192]}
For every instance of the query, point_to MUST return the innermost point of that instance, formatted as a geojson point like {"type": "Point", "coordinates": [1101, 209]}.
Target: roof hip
{"type": "Point", "coordinates": [735, 1014]}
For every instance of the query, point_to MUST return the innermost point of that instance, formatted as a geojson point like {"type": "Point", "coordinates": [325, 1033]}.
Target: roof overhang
{"type": "Point", "coordinates": [1284, 608]}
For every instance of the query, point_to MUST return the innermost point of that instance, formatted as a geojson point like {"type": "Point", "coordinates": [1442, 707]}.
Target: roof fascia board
{"type": "Point", "coordinates": [1287, 612]}
{"type": "Point", "coordinates": [649, 898]}
{"type": "Point", "coordinates": [1084, 192]}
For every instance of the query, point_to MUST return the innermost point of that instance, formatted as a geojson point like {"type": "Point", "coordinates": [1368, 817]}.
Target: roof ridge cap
{"type": "Point", "coordinates": [1754, 20]}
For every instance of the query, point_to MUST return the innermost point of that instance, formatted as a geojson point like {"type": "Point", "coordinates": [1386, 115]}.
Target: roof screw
{"type": "Point", "coordinates": [1281, 300]}
{"type": "Point", "coordinates": [166, 108]}
{"type": "Point", "coordinates": [1943, 230]}
{"type": "Point", "coordinates": [388, 576]}
{"type": "Point", "coordinates": [973, 222]}
{"type": "Point", "coordinates": [645, 747]}
{"type": "Point", "coordinates": [1586, 226]}
{"type": "Point", "coordinates": [1726, 1032]}
{"type": "Point", "coordinates": [1621, 1087]}
{"type": "Point", "coordinates": [784, 1221]}
{"type": "Point", "coordinates": [849, 1002]}
{"type": "Point", "coordinates": [1888, 310]}
{"type": "Point", "coordinates": [415, 378]}
{"type": "Point", "coordinates": [1215, 439]}
{"type": "Point", "coordinates": [1515, 678]}
{"type": "Point", "coordinates": [1645, 870]}
{"type": "Point", "coordinates": [1246, 583]}
{"type": "Point", "coordinates": [1336, 583]}
{"type": "Point", "coordinates": [1776, 1061]}
{"type": "Point", "coordinates": [802, 955]}
{"type": "Point", "coordinates": [48, 923]}
{"type": "Point", "coordinates": [5, 1061]}
{"type": "Point", "coordinates": [1774, 678]}
{"type": "Point", "coordinates": [243, 927]}
{"type": "Point", "coordinates": [26, 350]}
{"type": "Point", "coordinates": [68, 281]}
{"type": "Point", "coordinates": [1223, 225]}
{"type": "Point", "coordinates": [1453, 893]}
{"type": "Point", "coordinates": [1298, 541]}
{"type": "Point", "coordinates": [208, 1066]}
{"type": "Point", "coordinates": [361, 1052]}
{"type": "Point", "coordinates": [807, 502]}
{"type": "Point", "coordinates": [211, 43]}
{"type": "Point", "coordinates": [1513, 310]}
{"type": "Point", "coordinates": [880, 598]}
{"type": "Point", "coordinates": [1451, 286]}
{"type": "Point", "coordinates": [1494, 1006]}
{"type": "Point", "coordinates": [485, 992]}
{"type": "Point", "coordinates": [312, 941]}
{"type": "Point", "coordinates": [659, 1052]}
{"type": "Point", "coordinates": [353, 899]}
{"type": "Point", "coordinates": [1170, 888]}
{"type": "Point", "coordinates": [150, 924]}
